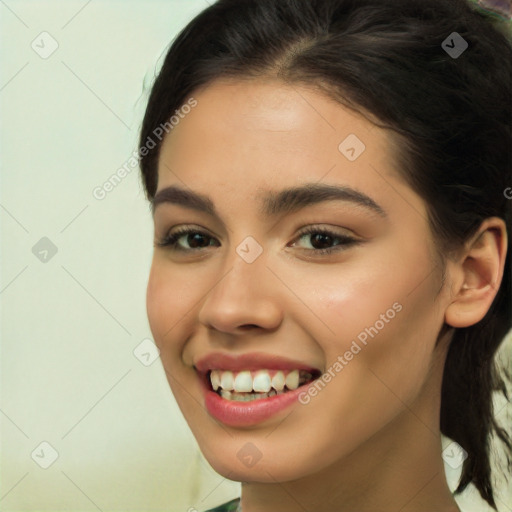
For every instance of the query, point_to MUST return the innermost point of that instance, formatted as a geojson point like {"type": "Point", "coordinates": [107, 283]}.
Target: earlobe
{"type": "Point", "coordinates": [481, 268]}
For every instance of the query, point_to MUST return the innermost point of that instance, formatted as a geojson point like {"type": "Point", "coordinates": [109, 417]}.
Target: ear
{"type": "Point", "coordinates": [477, 275]}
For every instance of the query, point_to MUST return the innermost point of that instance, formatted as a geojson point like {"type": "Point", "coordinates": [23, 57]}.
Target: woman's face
{"type": "Point", "coordinates": [251, 283]}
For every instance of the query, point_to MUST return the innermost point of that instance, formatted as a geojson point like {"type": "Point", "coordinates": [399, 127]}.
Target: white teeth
{"type": "Point", "coordinates": [243, 382]}
{"type": "Point", "coordinates": [215, 379]}
{"type": "Point", "coordinates": [292, 380]}
{"type": "Point", "coordinates": [262, 382]}
{"type": "Point", "coordinates": [226, 381]}
{"type": "Point", "coordinates": [278, 381]}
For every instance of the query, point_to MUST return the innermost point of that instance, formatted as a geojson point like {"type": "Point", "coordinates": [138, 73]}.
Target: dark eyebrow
{"type": "Point", "coordinates": [292, 199]}
{"type": "Point", "coordinates": [273, 203]}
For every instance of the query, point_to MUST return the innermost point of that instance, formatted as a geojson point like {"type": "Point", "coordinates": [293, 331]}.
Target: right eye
{"type": "Point", "coordinates": [171, 240]}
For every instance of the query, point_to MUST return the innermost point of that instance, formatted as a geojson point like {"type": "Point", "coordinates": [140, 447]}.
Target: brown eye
{"type": "Point", "coordinates": [323, 241]}
{"type": "Point", "coordinates": [194, 238]}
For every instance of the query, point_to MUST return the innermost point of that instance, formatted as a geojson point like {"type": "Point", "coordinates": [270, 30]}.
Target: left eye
{"type": "Point", "coordinates": [322, 237]}
{"type": "Point", "coordinates": [198, 240]}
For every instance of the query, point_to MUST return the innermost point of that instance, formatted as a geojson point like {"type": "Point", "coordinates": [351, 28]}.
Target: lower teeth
{"type": "Point", "coordinates": [247, 397]}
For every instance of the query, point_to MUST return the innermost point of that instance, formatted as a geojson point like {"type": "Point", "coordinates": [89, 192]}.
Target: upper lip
{"type": "Point", "coordinates": [252, 361]}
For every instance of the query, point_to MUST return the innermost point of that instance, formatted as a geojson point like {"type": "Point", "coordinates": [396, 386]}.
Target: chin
{"type": "Point", "coordinates": [275, 468]}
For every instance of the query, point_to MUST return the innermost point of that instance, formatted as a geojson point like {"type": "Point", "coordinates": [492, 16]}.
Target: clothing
{"type": "Point", "coordinates": [230, 506]}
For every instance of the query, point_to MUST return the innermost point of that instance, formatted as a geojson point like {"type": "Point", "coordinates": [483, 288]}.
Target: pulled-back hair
{"type": "Point", "coordinates": [450, 117]}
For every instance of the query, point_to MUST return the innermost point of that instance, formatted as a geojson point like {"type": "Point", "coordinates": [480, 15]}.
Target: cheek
{"type": "Point", "coordinates": [156, 303]}
{"type": "Point", "coordinates": [382, 314]}
{"type": "Point", "coordinates": [166, 303]}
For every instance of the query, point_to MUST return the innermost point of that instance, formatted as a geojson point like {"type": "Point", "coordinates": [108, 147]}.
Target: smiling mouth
{"type": "Point", "coordinates": [246, 385]}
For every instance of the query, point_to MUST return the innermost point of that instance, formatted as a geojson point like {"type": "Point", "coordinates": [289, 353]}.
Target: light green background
{"type": "Point", "coordinates": [69, 326]}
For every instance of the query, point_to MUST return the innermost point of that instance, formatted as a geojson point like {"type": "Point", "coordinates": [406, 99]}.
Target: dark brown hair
{"type": "Point", "coordinates": [451, 117]}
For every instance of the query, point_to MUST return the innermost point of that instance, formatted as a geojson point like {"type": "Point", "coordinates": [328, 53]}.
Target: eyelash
{"type": "Point", "coordinates": [170, 240]}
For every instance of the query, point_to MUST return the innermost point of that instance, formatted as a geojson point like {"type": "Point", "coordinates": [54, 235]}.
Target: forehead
{"type": "Point", "coordinates": [268, 106]}
{"type": "Point", "coordinates": [265, 127]}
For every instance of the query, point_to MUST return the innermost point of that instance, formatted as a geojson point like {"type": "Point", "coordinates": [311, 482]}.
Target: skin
{"type": "Point", "coordinates": [370, 440]}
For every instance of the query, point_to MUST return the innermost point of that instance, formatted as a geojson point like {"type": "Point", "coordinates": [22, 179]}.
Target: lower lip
{"type": "Point", "coordinates": [244, 414]}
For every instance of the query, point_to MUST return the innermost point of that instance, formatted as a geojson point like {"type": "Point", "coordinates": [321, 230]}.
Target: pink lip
{"type": "Point", "coordinates": [243, 414]}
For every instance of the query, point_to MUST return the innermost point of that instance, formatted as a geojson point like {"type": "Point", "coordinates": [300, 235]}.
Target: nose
{"type": "Point", "coordinates": [243, 297]}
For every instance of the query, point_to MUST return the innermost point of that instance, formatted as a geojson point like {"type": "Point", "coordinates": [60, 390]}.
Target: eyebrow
{"type": "Point", "coordinates": [273, 203]}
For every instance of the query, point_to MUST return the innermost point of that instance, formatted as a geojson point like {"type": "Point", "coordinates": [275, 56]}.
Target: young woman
{"type": "Point", "coordinates": [331, 185]}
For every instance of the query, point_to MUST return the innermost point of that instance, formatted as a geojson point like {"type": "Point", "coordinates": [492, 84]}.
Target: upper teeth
{"type": "Point", "coordinates": [260, 381]}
